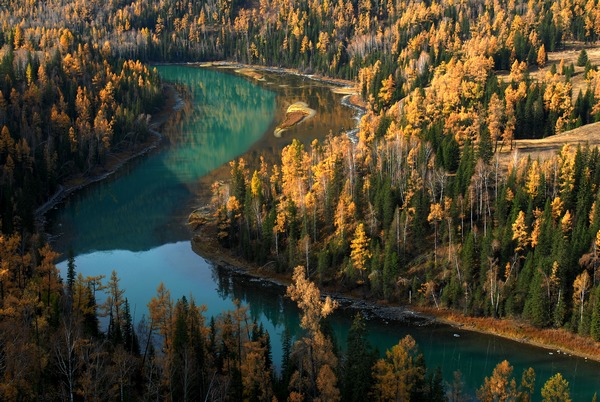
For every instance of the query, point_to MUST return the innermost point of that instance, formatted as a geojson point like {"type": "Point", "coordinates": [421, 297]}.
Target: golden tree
{"type": "Point", "coordinates": [566, 161]}
{"type": "Point", "coordinates": [386, 92]}
{"type": "Point", "coordinates": [48, 273]}
{"type": "Point", "coordinates": [495, 118]}
{"type": "Point", "coordinates": [436, 215]}
{"type": "Point", "coordinates": [396, 374]}
{"type": "Point", "coordinates": [315, 374]}
{"type": "Point", "coordinates": [295, 168]}
{"type": "Point", "coordinates": [500, 386]}
{"type": "Point", "coordinates": [556, 389]}
{"type": "Point", "coordinates": [533, 179]}
{"type": "Point", "coordinates": [542, 57]}
{"type": "Point", "coordinates": [557, 208]}
{"type": "Point", "coordinates": [519, 228]}
{"type": "Point", "coordinates": [581, 285]}
{"type": "Point", "coordinates": [360, 253]}
{"type": "Point", "coordinates": [160, 308]}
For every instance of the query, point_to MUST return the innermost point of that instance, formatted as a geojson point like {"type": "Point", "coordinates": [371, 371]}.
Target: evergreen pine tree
{"type": "Point", "coordinates": [419, 389]}
{"type": "Point", "coordinates": [560, 311]}
{"type": "Point", "coordinates": [130, 341]}
{"type": "Point", "coordinates": [357, 378]}
{"type": "Point", "coordinates": [536, 305]}
{"type": "Point", "coordinates": [70, 270]}
{"type": "Point", "coordinates": [582, 59]}
{"type": "Point", "coordinates": [485, 149]}
{"type": "Point", "coordinates": [286, 365]}
{"type": "Point", "coordinates": [437, 392]}
{"type": "Point", "coordinates": [390, 270]}
{"type": "Point", "coordinates": [595, 324]}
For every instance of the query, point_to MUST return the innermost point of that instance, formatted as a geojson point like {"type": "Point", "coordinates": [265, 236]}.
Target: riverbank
{"type": "Point", "coordinates": [206, 246]}
{"type": "Point", "coordinates": [116, 160]}
{"type": "Point", "coordinates": [344, 87]}
{"type": "Point", "coordinates": [556, 341]}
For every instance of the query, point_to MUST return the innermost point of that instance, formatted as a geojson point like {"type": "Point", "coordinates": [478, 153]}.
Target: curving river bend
{"type": "Point", "coordinates": [135, 223]}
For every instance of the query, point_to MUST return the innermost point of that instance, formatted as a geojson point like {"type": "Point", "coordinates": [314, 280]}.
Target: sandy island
{"type": "Point", "coordinates": [296, 114]}
{"type": "Point", "coordinates": [249, 72]}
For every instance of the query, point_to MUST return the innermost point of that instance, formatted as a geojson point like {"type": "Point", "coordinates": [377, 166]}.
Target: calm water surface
{"type": "Point", "coordinates": [134, 223]}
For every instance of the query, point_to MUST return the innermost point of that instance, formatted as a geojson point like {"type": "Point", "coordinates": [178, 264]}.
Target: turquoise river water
{"type": "Point", "coordinates": [134, 223]}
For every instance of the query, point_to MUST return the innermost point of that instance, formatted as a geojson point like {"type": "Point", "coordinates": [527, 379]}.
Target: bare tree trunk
{"type": "Point", "coordinates": [64, 352]}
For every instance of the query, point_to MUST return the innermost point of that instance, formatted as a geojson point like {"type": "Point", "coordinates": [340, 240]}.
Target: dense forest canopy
{"type": "Point", "coordinates": [421, 208]}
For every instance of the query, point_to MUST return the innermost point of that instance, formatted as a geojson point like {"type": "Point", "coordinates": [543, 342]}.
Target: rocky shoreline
{"type": "Point", "coordinates": [415, 316]}
{"type": "Point", "coordinates": [221, 259]}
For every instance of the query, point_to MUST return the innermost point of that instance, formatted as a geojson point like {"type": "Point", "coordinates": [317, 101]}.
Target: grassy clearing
{"type": "Point", "coordinates": [547, 147]}
{"type": "Point", "coordinates": [569, 55]}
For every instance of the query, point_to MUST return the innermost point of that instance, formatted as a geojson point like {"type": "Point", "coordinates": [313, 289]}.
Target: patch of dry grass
{"type": "Point", "coordinates": [554, 339]}
{"type": "Point", "coordinates": [547, 147]}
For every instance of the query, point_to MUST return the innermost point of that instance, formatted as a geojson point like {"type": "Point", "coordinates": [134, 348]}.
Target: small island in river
{"type": "Point", "coordinates": [249, 72]}
{"type": "Point", "coordinates": [296, 113]}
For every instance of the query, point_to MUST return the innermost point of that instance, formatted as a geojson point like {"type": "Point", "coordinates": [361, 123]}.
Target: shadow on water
{"type": "Point", "coordinates": [144, 206]}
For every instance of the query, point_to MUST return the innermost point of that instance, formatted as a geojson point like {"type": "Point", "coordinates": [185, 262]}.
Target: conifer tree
{"type": "Point", "coordinates": [582, 59]}
{"type": "Point", "coordinates": [397, 375]}
{"type": "Point", "coordinates": [314, 354]}
{"type": "Point", "coordinates": [527, 386]}
{"type": "Point", "coordinates": [556, 389]}
{"type": "Point", "coordinates": [360, 253]}
{"type": "Point", "coordinates": [357, 378]}
{"type": "Point", "coordinates": [542, 57]}
{"type": "Point", "coordinates": [70, 271]}
{"type": "Point", "coordinates": [501, 386]}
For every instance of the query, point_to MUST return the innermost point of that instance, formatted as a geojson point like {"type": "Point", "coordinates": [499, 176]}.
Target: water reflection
{"type": "Point", "coordinates": [145, 205]}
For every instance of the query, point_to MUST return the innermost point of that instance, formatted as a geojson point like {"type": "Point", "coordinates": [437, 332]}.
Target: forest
{"type": "Point", "coordinates": [448, 86]}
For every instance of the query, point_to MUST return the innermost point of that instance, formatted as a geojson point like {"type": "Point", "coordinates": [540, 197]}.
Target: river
{"type": "Point", "coordinates": [135, 223]}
